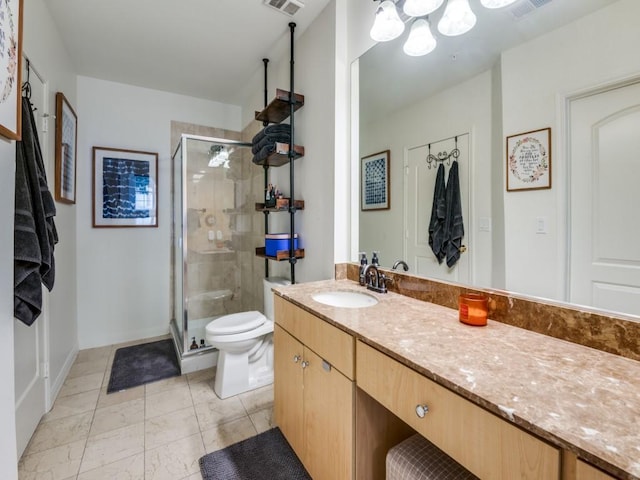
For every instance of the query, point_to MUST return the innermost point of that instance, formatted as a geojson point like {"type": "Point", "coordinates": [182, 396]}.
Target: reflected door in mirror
{"type": "Point", "coordinates": [420, 183]}
{"type": "Point", "coordinates": [605, 230]}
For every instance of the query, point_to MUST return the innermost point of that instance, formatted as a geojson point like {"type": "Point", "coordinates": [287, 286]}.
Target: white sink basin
{"type": "Point", "coordinates": [345, 299]}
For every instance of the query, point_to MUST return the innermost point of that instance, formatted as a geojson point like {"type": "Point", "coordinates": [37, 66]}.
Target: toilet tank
{"type": "Point", "coordinates": [268, 294]}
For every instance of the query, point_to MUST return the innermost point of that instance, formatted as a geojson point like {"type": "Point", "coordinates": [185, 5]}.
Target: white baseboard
{"type": "Point", "coordinates": [122, 337]}
{"type": "Point", "coordinates": [54, 385]}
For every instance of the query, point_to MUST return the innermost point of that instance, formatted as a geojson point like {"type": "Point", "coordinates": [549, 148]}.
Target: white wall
{"type": "Point", "coordinates": [534, 77]}
{"type": "Point", "coordinates": [8, 464]}
{"type": "Point", "coordinates": [315, 130]}
{"type": "Point", "coordinates": [123, 273]}
{"type": "Point", "coordinates": [464, 108]}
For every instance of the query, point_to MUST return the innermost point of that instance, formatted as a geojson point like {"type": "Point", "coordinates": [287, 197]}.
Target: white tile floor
{"type": "Point", "coordinates": [152, 432]}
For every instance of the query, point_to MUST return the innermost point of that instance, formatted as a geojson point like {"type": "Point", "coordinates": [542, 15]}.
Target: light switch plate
{"type": "Point", "coordinates": [541, 225]}
{"type": "Point", "coordinates": [484, 224]}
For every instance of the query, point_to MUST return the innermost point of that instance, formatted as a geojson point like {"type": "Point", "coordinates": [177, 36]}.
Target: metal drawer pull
{"type": "Point", "coordinates": [326, 366]}
{"type": "Point", "coordinates": [296, 358]}
{"type": "Point", "coordinates": [305, 364]}
{"type": "Point", "coordinates": [422, 410]}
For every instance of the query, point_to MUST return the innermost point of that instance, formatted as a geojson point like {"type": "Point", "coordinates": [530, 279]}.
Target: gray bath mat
{"type": "Point", "coordinates": [140, 364]}
{"type": "Point", "coordinates": [267, 455]}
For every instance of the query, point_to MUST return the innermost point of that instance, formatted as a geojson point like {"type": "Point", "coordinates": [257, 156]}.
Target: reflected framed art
{"type": "Point", "coordinates": [374, 182]}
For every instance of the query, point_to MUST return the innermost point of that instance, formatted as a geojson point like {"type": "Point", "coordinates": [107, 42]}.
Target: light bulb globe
{"type": "Point", "coordinates": [458, 18]}
{"type": "Point", "coordinates": [421, 40]}
{"type": "Point", "coordinates": [419, 8]}
{"type": "Point", "coordinates": [387, 24]}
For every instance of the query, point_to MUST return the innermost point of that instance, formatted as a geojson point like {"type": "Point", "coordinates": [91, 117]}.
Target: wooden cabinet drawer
{"type": "Point", "coordinates": [485, 444]}
{"type": "Point", "coordinates": [330, 343]}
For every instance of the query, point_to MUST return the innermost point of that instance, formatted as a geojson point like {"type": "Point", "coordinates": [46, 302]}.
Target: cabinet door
{"type": "Point", "coordinates": [287, 388]}
{"type": "Point", "coordinates": [328, 420]}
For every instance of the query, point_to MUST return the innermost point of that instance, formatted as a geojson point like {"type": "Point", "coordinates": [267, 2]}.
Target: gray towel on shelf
{"type": "Point", "coordinates": [269, 139]}
{"type": "Point", "coordinates": [453, 225]}
{"type": "Point", "coordinates": [34, 229]}
{"type": "Point", "coordinates": [264, 152]}
{"type": "Point", "coordinates": [273, 129]}
{"type": "Point", "coordinates": [438, 212]}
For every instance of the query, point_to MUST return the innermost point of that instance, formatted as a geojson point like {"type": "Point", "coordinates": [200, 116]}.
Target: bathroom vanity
{"type": "Point", "coordinates": [502, 401]}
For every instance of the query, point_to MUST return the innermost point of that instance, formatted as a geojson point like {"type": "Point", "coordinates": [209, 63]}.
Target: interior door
{"type": "Point", "coordinates": [30, 342]}
{"type": "Point", "coordinates": [420, 178]}
{"type": "Point", "coordinates": [604, 197]}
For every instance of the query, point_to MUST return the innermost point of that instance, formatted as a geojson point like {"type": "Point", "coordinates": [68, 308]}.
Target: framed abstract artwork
{"type": "Point", "coordinates": [10, 69]}
{"type": "Point", "coordinates": [66, 144]}
{"type": "Point", "coordinates": [374, 182]}
{"type": "Point", "coordinates": [125, 188]}
{"type": "Point", "coordinates": [529, 160]}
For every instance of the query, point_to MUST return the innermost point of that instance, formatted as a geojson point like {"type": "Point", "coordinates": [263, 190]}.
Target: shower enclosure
{"type": "Point", "coordinates": [211, 253]}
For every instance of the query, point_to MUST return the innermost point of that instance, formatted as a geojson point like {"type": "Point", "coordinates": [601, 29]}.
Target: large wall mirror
{"type": "Point", "coordinates": [534, 65]}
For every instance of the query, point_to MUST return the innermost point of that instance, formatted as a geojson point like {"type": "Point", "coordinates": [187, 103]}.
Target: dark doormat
{"type": "Point", "coordinates": [140, 364]}
{"type": "Point", "coordinates": [267, 455]}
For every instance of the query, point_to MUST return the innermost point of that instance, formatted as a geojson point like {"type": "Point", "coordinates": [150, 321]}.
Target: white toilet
{"type": "Point", "coordinates": [245, 344]}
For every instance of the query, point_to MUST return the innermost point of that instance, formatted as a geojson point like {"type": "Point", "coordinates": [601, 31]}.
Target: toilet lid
{"type": "Point", "coordinates": [236, 323]}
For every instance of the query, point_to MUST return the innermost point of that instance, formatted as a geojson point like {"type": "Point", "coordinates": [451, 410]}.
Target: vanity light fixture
{"type": "Point", "coordinates": [421, 40]}
{"type": "Point", "coordinates": [387, 24]}
{"type": "Point", "coordinates": [419, 8]}
{"type": "Point", "coordinates": [496, 3]}
{"type": "Point", "coordinates": [458, 18]}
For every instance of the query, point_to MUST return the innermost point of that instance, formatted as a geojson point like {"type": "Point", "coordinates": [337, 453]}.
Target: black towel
{"type": "Point", "coordinates": [34, 229]}
{"type": "Point", "coordinates": [438, 212]}
{"type": "Point", "coordinates": [273, 129]}
{"type": "Point", "coordinates": [270, 139]}
{"type": "Point", "coordinates": [453, 224]}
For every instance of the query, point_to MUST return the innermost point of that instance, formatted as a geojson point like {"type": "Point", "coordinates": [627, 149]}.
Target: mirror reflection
{"type": "Point", "coordinates": [565, 65]}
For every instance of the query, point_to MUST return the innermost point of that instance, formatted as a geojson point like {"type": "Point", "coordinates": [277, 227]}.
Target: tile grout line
{"type": "Point", "coordinates": [93, 416]}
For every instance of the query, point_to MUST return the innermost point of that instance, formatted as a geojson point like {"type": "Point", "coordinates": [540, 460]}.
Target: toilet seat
{"type": "Point", "coordinates": [235, 323]}
{"type": "Point", "coordinates": [264, 329]}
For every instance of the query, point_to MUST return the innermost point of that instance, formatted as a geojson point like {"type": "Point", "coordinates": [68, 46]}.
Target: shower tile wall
{"type": "Point", "coordinates": [252, 267]}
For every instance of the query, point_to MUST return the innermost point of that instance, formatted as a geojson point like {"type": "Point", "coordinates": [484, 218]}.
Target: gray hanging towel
{"type": "Point", "coordinates": [34, 229]}
{"type": "Point", "coordinates": [438, 212]}
{"type": "Point", "coordinates": [453, 224]}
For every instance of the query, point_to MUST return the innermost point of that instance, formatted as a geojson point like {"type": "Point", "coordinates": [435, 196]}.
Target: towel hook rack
{"type": "Point", "coordinates": [26, 86]}
{"type": "Point", "coordinates": [443, 156]}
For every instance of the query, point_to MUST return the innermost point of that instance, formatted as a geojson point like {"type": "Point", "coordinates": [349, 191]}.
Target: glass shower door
{"type": "Point", "coordinates": [207, 199]}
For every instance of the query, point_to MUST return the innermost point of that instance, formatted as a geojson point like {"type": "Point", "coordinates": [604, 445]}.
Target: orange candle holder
{"type": "Point", "coordinates": [473, 309]}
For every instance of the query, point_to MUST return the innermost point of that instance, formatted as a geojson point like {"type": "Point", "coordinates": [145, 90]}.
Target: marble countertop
{"type": "Point", "coordinates": [578, 398]}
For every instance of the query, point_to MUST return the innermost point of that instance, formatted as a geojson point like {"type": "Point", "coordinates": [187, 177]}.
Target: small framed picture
{"type": "Point", "coordinates": [66, 144]}
{"type": "Point", "coordinates": [374, 182]}
{"type": "Point", "coordinates": [125, 188]}
{"type": "Point", "coordinates": [529, 160]}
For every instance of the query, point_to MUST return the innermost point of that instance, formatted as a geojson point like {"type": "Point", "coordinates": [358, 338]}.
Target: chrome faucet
{"type": "Point", "coordinates": [375, 279]}
{"type": "Point", "coordinates": [405, 267]}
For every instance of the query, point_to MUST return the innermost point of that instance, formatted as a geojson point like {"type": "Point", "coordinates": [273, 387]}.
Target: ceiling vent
{"type": "Point", "coordinates": [288, 7]}
{"type": "Point", "coordinates": [523, 8]}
